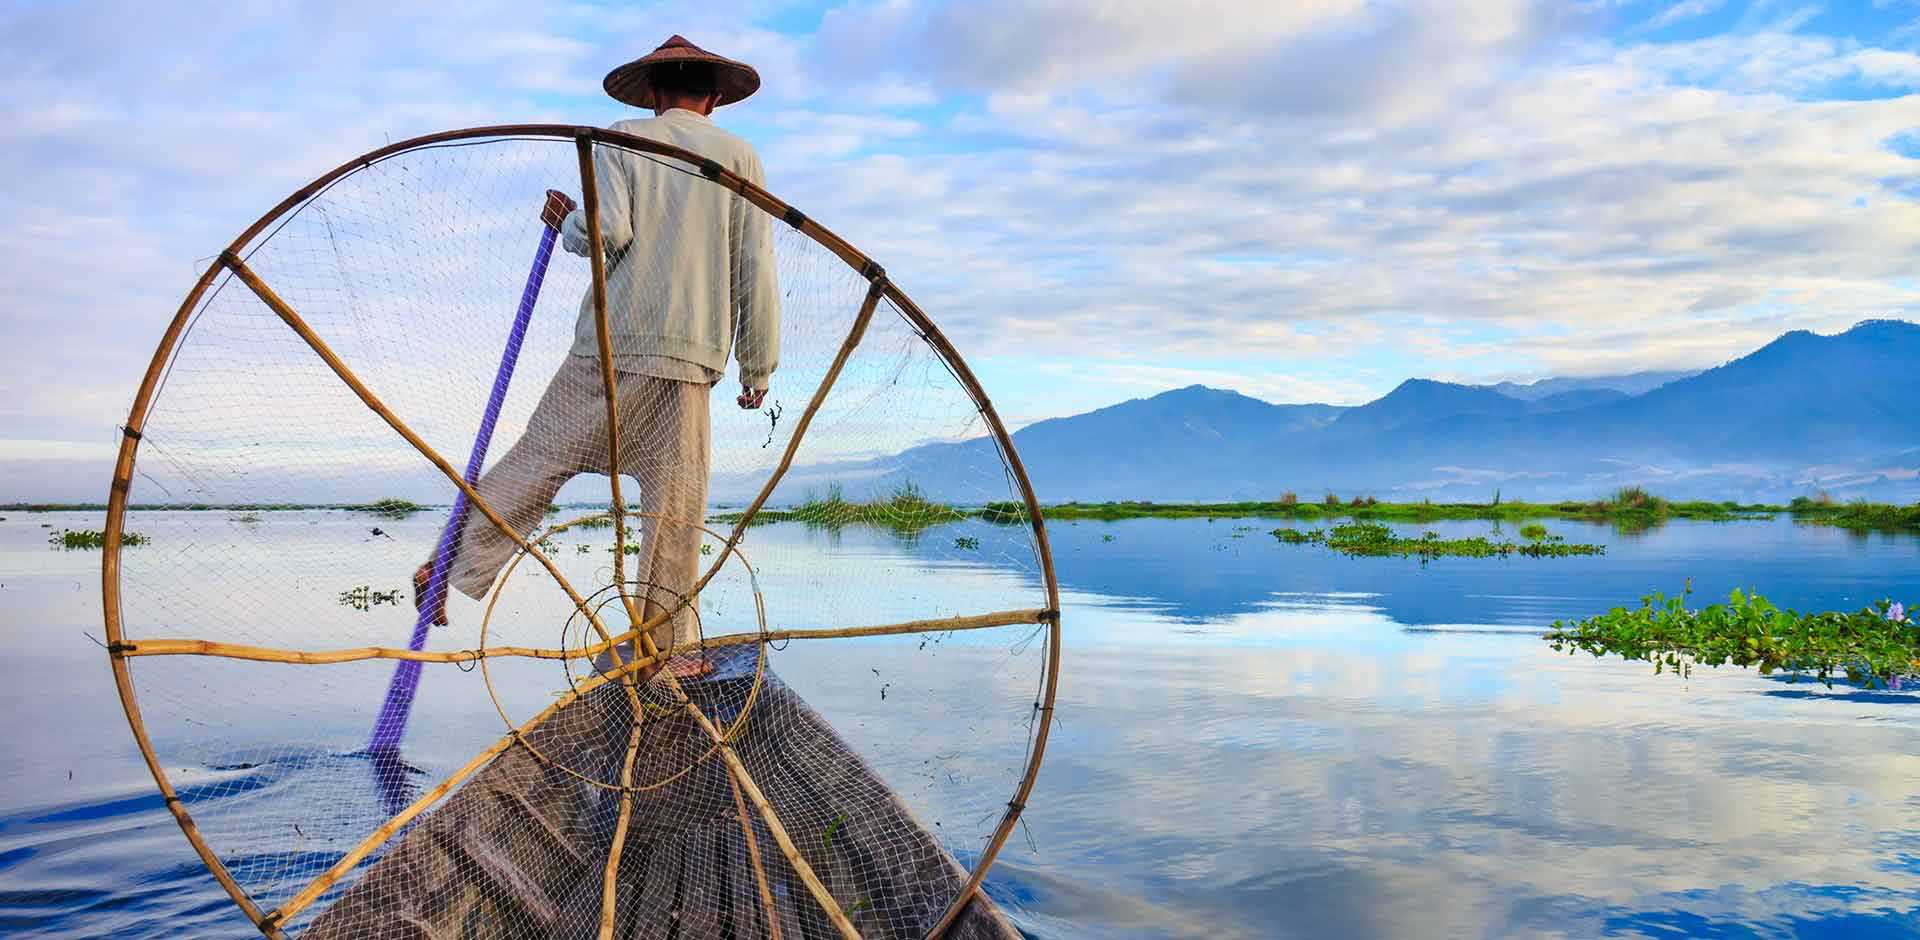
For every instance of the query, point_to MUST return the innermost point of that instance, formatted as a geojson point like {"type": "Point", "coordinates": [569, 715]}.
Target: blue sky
{"type": "Point", "coordinates": [1098, 200]}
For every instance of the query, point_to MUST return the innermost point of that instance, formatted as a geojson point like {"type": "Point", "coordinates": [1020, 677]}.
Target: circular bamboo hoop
{"type": "Point", "coordinates": [232, 262]}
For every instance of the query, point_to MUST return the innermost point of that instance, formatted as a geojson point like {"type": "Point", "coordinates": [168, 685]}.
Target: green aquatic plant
{"type": "Point", "coordinates": [390, 508]}
{"type": "Point", "coordinates": [1636, 498]}
{"type": "Point", "coordinates": [1297, 537]}
{"type": "Point", "coordinates": [84, 539]}
{"type": "Point", "coordinates": [1004, 512]}
{"type": "Point", "coordinates": [1867, 647]}
{"type": "Point", "coordinates": [909, 507]}
{"type": "Point", "coordinates": [1819, 500]}
{"type": "Point", "coordinates": [907, 511]}
{"type": "Point", "coordinates": [1636, 512]}
{"type": "Point", "coordinates": [1372, 539]}
{"type": "Point", "coordinates": [1858, 515]}
{"type": "Point", "coordinates": [1533, 532]}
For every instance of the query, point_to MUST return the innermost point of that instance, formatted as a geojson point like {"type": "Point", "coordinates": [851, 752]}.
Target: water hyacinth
{"type": "Point", "coordinates": [1870, 647]}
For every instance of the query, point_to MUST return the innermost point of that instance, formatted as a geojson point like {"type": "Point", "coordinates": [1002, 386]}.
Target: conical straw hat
{"type": "Point", "coordinates": [632, 83]}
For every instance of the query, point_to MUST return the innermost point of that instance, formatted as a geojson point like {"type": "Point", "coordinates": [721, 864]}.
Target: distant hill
{"type": "Point", "coordinates": [1419, 401]}
{"type": "Point", "coordinates": [1633, 383]}
{"type": "Point", "coordinates": [1804, 412]}
{"type": "Point", "coordinates": [1576, 398]}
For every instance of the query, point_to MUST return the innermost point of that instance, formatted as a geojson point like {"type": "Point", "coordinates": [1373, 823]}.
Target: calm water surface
{"type": "Point", "coordinates": [1253, 740]}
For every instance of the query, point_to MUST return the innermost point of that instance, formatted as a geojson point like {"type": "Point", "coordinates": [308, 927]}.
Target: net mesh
{"type": "Point", "coordinates": [870, 652]}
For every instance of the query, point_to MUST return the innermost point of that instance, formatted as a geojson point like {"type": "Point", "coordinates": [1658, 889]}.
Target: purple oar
{"type": "Point", "coordinates": [392, 723]}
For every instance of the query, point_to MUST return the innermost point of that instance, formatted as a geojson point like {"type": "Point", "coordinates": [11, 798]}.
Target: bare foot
{"type": "Point", "coordinates": [420, 578]}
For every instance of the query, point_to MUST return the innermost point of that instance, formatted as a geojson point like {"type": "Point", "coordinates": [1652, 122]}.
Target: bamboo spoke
{"type": "Point", "coordinates": [347, 375]}
{"type": "Point", "coordinates": [753, 855]}
{"type": "Point", "coordinates": [268, 654]}
{"type": "Point", "coordinates": [1004, 618]}
{"type": "Point", "coordinates": [319, 886]}
{"type": "Point", "coordinates": [859, 329]}
{"type": "Point", "coordinates": [590, 204]}
{"type": "Point", "coordinates": [611, 878]}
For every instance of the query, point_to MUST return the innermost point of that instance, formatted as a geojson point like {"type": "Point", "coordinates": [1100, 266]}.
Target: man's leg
{"type": "Point", "coordinates": [565, 436]}
{"type": "Point", "coordinates": [666, 440]}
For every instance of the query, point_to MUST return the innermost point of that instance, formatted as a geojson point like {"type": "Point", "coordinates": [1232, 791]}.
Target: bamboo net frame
{"type": "Point", "coordinates": [232, 263]}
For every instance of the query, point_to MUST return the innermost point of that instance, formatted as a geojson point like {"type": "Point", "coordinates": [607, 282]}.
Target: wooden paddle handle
{"type": "Point", "coordinates": [555, 210]}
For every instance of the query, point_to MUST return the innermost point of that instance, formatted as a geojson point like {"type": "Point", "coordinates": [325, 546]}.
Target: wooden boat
{"type": "Point", "coordinates": [521, 850]}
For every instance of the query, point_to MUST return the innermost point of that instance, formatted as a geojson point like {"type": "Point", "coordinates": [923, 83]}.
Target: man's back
{"type": "Point", "coordinates": [691, 273]}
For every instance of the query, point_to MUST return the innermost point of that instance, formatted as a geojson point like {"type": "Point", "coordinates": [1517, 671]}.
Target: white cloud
{"type": "Point", "coordinates": [1379, 189]}
{"type": "Point", "coordinates": [1684, 10]}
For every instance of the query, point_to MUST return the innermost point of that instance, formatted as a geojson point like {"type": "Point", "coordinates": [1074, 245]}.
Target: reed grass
{"type": "Point", "coordinates": [906, 510]}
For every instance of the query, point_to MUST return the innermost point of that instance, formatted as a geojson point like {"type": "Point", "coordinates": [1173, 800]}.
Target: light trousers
{"type": "Point", "coordinates": [664, 446]}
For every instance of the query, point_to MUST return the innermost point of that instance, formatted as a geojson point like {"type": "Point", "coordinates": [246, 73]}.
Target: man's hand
{"type": "Point", "coordinates": [556, 209]}
{"type": "Point", "coordinates": [751, 398]}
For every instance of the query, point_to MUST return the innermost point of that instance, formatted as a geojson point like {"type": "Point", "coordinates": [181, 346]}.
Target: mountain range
{"type": "Point", "coordinates": [1805, 412]}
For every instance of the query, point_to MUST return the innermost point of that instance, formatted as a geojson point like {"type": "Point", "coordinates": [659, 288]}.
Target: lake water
{"type": "Point", "coordinates": [1253, 739]}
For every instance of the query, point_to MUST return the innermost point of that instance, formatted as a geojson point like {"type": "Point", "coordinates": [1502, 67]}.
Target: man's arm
{"type": "Point", "coordinates": [616, 206]}
{"type": "Point", "coordinates": [756, 292]}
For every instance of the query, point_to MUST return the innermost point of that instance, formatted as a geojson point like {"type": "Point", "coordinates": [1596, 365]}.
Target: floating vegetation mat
{"type": "Point", "coordinates": [1374, 539]}
{"type": "Point", "coordinates": [1867, 647]}
{"type": "Point", "coordinates": [83, 539]}
{"type": "Point", "coordinates": [905, 511]}
{"type": "Point", "coordinates": [390, 508]}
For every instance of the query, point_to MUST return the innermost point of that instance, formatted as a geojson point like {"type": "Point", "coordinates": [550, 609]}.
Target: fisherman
{"type": "Point", "coordinates": [690, 276]}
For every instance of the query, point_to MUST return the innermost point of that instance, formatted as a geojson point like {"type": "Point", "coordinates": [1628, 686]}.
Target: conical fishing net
{"type": "Point", "coordinates": [788, 673]}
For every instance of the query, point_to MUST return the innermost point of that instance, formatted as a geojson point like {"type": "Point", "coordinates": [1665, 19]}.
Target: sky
{"type": "Point", "coordinates": [1096, 200]}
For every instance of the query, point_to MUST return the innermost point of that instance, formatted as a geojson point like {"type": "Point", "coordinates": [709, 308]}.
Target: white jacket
{"type": "Point", "coordinates": [690, 264]}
